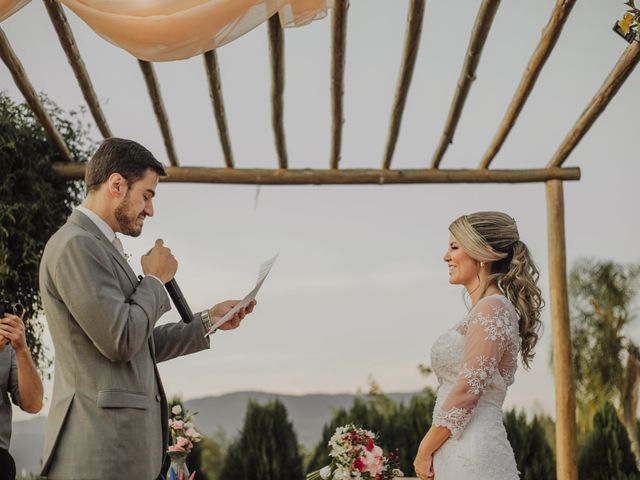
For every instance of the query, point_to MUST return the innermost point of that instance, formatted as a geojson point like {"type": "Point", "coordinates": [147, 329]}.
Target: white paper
{"type": "Point", "coordinates": [265, 268]}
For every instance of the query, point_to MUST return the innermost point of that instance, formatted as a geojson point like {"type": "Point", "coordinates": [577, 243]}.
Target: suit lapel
{"type": "Point", "coordinates": [80, 219]}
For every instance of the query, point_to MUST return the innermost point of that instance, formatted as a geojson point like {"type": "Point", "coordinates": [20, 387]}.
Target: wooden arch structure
{"type": "Point", "coordinates": [553, 175]}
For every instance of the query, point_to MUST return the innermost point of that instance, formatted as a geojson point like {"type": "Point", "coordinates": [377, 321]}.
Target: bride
{"type": "Point", "coordinates": [475, 361]}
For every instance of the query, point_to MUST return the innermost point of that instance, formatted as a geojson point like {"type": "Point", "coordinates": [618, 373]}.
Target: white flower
{"type": "Point", "coordinates": [342, 473]}
{"type": "Point", "coordinates": [397, 472]}
{"type": "Point", "coordinates": [177, 410]}
{"type": "Point", "coordinates": [325, 472]}
{"type": "Point", "coordinates": [191, 433]}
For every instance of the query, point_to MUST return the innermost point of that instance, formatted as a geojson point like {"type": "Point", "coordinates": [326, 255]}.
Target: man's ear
{"type": "Point", "coordinates": [117, 185]}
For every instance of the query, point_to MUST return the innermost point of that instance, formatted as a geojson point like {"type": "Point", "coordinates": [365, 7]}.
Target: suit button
{"type": "Point", "coordinates": [157, 397]}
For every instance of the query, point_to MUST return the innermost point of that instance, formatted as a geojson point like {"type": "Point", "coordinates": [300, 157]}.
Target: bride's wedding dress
{"type": "Point", "coordinates": [475, 363]}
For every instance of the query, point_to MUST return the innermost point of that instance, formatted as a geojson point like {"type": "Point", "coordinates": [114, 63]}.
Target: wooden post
{"type": "Point", "coordinates": [566, 466]}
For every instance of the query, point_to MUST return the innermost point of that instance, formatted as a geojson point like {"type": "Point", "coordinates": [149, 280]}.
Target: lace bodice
{"type": "Point", "coordinates": [475, 362]}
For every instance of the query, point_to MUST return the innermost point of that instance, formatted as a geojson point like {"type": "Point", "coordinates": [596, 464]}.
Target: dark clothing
{"type": "Point", "coordinates": [7, 466]}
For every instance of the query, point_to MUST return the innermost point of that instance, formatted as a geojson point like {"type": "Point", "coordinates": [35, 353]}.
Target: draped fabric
{"type": "Point", "coordinates": [9, 7]}
{"type": "Point", "coordinates": [163, 30]}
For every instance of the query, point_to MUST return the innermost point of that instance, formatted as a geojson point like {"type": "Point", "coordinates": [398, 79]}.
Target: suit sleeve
{"type": "Point", "coordinates": [87, 284]}
{"type": "Point", "coordinates": [173, 340]}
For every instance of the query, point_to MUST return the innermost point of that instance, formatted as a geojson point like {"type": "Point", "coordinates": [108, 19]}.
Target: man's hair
{"type": "Point", "coordinates": [117, 155]}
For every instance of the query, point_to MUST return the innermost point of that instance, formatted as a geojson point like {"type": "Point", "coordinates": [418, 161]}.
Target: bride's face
{"type": "Point", "coordinates": [463, 269]}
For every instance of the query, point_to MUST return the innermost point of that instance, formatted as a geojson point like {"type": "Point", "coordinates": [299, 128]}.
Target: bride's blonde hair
{"type": "Point", "coordinates": [493, 237]}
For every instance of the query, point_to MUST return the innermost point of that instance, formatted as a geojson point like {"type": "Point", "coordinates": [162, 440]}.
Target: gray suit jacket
{"type": "Point", "coordinates": [108, 416]}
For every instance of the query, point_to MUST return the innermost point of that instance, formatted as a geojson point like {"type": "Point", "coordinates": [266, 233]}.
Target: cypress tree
{"type": "Point", "coordinates": [267, 448]}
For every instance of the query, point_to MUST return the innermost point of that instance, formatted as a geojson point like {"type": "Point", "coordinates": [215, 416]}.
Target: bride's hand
{"type": "Point", "coordinates": [423, 465]}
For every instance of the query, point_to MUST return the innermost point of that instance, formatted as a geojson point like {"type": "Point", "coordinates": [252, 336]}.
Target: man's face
{"type": "Point", "coordinates": [137, 204]}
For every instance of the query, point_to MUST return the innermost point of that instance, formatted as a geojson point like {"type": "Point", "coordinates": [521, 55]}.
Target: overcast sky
{"type": "Point", "coordinates": [360, 287]}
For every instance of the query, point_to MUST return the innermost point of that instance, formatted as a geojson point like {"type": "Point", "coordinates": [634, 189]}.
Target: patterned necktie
{"type": "Point", "coordinates": [118, 244]}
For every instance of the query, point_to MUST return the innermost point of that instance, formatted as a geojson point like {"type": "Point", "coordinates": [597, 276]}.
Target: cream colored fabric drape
{"type": "Point", "coordinates": [9, 7]}
{"type": "Point", "coordinates": [162, 30]}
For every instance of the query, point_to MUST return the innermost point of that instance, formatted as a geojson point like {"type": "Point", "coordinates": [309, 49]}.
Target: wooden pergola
{"type": "Point", "coordinates": [553, 175]}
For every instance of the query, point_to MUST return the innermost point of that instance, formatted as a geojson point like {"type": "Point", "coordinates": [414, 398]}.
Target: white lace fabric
{"type": "Point", "coordinates": [490, 334]}
{"type": "Point", "coordinates": [475, 363]}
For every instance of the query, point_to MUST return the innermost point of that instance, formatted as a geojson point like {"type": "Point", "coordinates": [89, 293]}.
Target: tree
{"type": "Point", "coordinates": [267, 448]}
{"type": "Point", "coordinates": [606, 361]}
{"type": "Point", "coordinates": [34, 202]}
{"type": "Point", "coordinates": [606, 454]}
{"type": "Point", "coordinates": [534, 456]}
{"type": "Point", "coordinates": [214, 450]}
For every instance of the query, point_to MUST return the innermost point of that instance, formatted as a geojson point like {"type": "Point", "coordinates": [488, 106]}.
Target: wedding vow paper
{"type": "Point", "coordinates": [265, 268]}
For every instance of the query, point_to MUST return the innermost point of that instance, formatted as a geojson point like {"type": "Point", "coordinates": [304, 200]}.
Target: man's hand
{"type": "Point", "coordinates": [159, 262]}
{"type": "Point", "coordinates": [220, 310]}
{"type": "Point", "coordinates": [12, 330]}
{"type": "Point", "coordinates": [423, 465]}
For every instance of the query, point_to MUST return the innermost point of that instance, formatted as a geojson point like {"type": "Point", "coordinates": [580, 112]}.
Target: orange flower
{"type": "Point", "coordinates": [625, 23]}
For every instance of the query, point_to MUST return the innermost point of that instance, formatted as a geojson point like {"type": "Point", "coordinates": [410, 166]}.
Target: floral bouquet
{"type": "Point", "coordinates": [629, 26]}
{"type": "Point", "coordinates": [354, 455]}
{"type": "Point", "coordinates": [183, 436]}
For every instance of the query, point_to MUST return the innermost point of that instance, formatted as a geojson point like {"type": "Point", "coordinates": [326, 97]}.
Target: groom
{"type": "Point", "coordinates": [108, 416]}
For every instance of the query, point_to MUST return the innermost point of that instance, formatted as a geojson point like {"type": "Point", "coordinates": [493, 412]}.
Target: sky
{"type": "Point", "coordinates": [360, 288]}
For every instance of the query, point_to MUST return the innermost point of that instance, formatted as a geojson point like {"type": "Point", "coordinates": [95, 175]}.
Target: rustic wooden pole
{"type": "Point", "coordinates": [608, 90]}
{"type": "Point", "coordinates": [65, 35]}
{"type": "Point", "coordinates": [158, 107]}
{"type": "Point", "coordinates": [550, 36]}
{"type": "Point", "coordinates": [566, 464]}
{"type": "Point", "coordinates": [415, 19]}
{"type": "Point", "coordinates": [276, 53]}
{"type": "Point", "coordinates": [339, 39]}
{"type": "Point", "coordinates": [484, 20]}
{"type": "Point", "coordinates": [22, 82]}
{"type": "Point", "coordinates": [344, 176]}
{"type": "Point", "coordinates": [215, 92]}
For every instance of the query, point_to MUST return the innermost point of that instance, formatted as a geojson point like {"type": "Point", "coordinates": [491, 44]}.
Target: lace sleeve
{"type": "Point", "coordinates": [489, 328]}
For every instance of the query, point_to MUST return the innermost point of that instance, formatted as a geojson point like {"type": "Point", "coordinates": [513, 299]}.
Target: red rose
{"type": "Point", "coordinates": [358, 464]}
{"type": "Point", "coordinates": [370, 445]}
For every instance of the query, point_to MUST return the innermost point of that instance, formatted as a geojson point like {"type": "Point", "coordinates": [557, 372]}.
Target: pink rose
{"type": "Point", "coordinates": [374, 461]}
{"type": "Point", "coordinates": [184, 442]}
{"type": "Point", "coordinates": [176, 448]}
{"type": "Point", "coordinates": [177, 425]}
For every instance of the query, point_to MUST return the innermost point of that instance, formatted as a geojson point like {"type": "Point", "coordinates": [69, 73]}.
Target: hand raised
{"type": "Point", "coordinates": [159, 262]}
{"type": "Point", "coordinates": [220, 310]}
{"type": "Point", "coordinates": [12, 331]}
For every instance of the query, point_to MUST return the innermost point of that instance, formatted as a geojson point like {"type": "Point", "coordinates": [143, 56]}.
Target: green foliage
{"type": "Point", "coordinates": [534, 456]}
{"type": "Point", "coordinates": [34, 202]}
{"type": "Point", "coordinates": [267, 448]}
{"type": "Point", "coordinates": [398, 426]}
{"type": "Point", "coordinates": [214, 450]}
{"type": "Point", "coordinates": [601, 296]}
{"type": "Point", "coordinates": [606, 454]}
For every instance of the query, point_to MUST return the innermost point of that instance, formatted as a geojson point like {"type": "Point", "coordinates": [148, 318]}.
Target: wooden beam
{"type": "Point", "coordinates": [550, 36]}
{"type": "Point", "coordinates": [65, 35]}
{"type": "Point", "coordinates": [215, 92]}
{"type": "Point", "coordinates": [607, 91]}
{"type": "Point", "coordinates": [344, 177]}
{"type": "Point", "coordinates": [158, 107]}
{"type": "Point", "coordinates": [484, 20]}
{"type": "Point", "coordinates": [566, 464]}
{"type": "Point", "coordinates": [276, 53]}
{"type": "Point", "coordinates": [339, 39]}
{"type": "Point", "coordinates": [415, 18]}
{"type": "Point", "coordinates": [22, 82]}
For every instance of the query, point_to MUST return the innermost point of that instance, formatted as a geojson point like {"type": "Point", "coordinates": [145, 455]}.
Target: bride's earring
{"type": "Point", "coordinates": [481, 264]}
